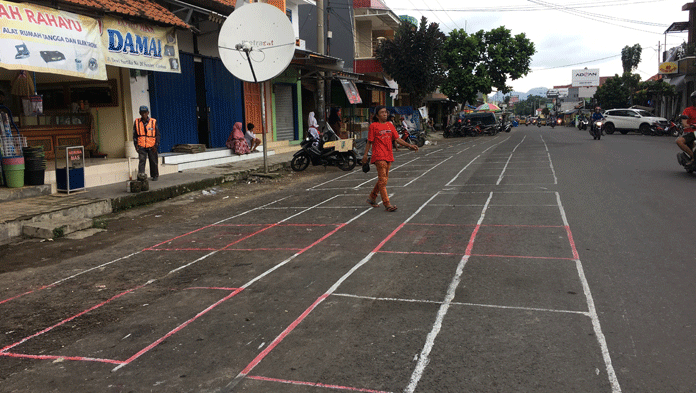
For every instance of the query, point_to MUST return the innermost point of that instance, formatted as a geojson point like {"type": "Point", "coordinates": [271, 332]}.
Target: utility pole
{"type": "Point", "coordinates": [321, 89]}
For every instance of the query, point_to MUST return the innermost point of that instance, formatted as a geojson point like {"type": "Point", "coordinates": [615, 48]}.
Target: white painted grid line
{"type": "Point", "coordinates": [555, 179]}
{"type": "Point", "coordinates": [611, 374]}
{"type": "Point", "coordinates": [424, 357]}
{"type": "Point", "coordinates": [279, 222]}
{"type": "Point", "coordinates": [508, 161]}
{"type": "Point", "coordinates": [388, 299]}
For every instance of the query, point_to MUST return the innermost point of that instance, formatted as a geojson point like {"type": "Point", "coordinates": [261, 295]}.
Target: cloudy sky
{"type": "Point", "coordinates": [567, 34]}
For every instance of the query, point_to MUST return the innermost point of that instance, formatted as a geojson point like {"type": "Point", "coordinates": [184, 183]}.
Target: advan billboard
{"type": "Point", "coordinates": [585, 77]}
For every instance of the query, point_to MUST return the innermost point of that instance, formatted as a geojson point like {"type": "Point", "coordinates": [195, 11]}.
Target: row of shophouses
{"type": "Point", "coordinates": [196, 100]}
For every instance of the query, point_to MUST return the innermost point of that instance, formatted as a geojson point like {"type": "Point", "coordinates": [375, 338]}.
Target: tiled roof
{"type": "Point", "coordinates": [143, 9]}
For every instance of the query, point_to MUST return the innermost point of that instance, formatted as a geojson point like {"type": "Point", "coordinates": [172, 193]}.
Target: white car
{"type": "Point", "coordinates": [626, 120]}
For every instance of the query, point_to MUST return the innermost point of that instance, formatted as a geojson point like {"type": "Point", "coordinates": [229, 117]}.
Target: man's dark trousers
{"type": "Point", "coordinates": [145, 154]}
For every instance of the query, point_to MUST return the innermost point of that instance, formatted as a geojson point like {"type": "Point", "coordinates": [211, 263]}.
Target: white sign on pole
{"type": "Point", "coordinates": [585, 77]}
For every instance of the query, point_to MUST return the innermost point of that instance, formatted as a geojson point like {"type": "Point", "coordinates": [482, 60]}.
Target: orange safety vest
{"type": "Point", "coordinates": [147, 135]}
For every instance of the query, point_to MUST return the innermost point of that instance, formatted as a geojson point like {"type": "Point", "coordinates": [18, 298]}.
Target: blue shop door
{"type": "Point", "coordinates": [173, 104]}
{"type": "Point", "coordinates": [225, 100]}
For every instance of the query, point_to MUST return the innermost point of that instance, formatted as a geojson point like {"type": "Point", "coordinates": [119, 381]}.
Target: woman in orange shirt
{"type": "Point", "coordinates": [380, 137]}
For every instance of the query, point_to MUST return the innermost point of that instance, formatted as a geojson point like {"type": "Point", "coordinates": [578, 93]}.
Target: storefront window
{"type": "Point", "coordinates": [63, 96]}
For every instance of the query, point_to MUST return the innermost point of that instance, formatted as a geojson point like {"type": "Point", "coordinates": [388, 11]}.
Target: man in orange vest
{"type": "Point", "coordinates": [146, 138]}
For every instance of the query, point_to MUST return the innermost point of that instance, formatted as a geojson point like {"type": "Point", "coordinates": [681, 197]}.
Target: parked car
{"type": "Point", "coordinates": [625, 120]}
{"type": "Point", "coordinates": [483, 118]}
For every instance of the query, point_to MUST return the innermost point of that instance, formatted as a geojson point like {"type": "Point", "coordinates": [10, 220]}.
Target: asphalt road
{"type": "Point", "coordinates": [535, 261]}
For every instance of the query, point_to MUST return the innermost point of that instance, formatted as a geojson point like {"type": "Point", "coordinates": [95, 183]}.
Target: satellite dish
{"type": "Point", "coordinates": [256, 42]}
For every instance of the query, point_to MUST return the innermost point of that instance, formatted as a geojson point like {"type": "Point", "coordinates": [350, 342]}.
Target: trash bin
{"type": "Point", "coordinates": [13, 168]}
{"type": "Point", "coordinates": [34, 166]}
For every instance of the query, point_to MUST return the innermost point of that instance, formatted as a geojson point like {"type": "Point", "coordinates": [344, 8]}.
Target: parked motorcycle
{"type": "Point", "coordinates": [675, 128]}
{"type": "Point", "coordinates": [453, 130]}
{"type": "Point", "coordinates": [596, 129]}
{"type": "Point", "coordinates": [414, 138]}
{"type": "Point", "coordinates": [318, 155]}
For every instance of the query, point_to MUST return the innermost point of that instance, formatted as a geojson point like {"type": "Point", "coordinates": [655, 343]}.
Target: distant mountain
{"type": "Point", "coordinates": [537, 91]}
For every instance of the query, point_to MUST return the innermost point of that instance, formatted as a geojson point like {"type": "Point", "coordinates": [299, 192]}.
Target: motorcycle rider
{"type": "Point", "coordinates": [686, 141]}
{"type": "Point", "coordinates": [596, 116]}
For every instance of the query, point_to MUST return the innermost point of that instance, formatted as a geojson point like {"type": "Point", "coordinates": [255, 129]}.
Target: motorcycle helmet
{"type": "Point", "coordinates": [366, 167]}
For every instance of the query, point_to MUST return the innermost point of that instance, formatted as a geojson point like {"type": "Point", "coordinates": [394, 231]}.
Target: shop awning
{"type": "Point", "coordinates": [376, 87]}
{"type": "Point", "coordinates": [677, 81]}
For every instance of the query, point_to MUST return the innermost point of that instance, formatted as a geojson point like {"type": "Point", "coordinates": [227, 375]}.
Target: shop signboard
{"type": "Point", "coordinates": [585, 77]}
{"type": "Point", "coordinates": [139, 45]}
{"type": "Point", "coordinates": [669, 67]}
{"type": "Point", "coordinates": [351, 91]}
{"type": "Point", "coordinates": [42, 39]}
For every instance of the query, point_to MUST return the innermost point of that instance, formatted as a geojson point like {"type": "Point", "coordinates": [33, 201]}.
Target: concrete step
{"type": "Point", "coordinates": [11, 194]}
{"type": "Point", "coordinates": [220, 160]}
{"type": "Point", "coordinates": [286, 149]}
{"type": "Point", "coordinates": [55, 228]}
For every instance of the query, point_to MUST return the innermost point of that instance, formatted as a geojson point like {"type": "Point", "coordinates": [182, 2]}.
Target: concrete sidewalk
{"type": "Point", "coordinates": [36, 206]}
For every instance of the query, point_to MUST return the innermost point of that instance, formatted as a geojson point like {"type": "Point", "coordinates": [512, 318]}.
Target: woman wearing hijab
{"type": "Point", "coordinates": [380, 137]}
{"type": "Point", "coordinates": [313, 128]}
{"type": "Point", "coordinates": [236, 140]}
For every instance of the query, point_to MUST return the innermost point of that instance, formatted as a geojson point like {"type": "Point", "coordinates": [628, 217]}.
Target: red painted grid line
{"type": "Point", "coordinates": [473, 255]}
{"type": "Point", "coordinates": [489, 225]}
{"type": "Point", "coordinates": [213, 224]}
{"type": "Point", "coordinates": [228, 249]}
{"type": "Point", "coordinates": [5, 349]}
{"type": "Point", "coordinates": [245, 372]}
{"type": "Point", "coordinates": [178, 328]}
{"type": "Point", "coordinates": [25, 293]}
{"type": "Point", "coordinates": [149, 347]}
{"type": "Point", "coordinates": [58, 357]}
{"type": "Point", "coordinates": [149, 248]}
{"type": "Point", "coordinates": [278, 224]}
{"type": "Point", "coordinates": [314, 384]}
{"type": "Point", "coordinates": [218, 288]}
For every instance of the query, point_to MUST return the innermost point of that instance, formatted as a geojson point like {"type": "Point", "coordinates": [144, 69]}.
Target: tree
{"type": "Point", "coordinates": [530, 105]}
{"type": "Point", "coordinates": [649, 92]}
{"type": "Point", "coordinates": [412, 58]}
{"type": "Point", "coordinates": [478, 62]}
{"type": "Point", "coordinates": [630, 57]}
{"type": "Point", "coordinates": [616, 91]}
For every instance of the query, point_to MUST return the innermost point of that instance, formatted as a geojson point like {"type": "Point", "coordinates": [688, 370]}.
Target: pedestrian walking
{"type": "Point", "coordinates": [380, 137]}
{"type": "Point", "coordinates": [146, 138]}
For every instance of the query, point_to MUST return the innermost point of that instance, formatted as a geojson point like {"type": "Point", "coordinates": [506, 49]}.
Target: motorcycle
{"type": "Point", "coordinates": [596, 129]}
{"type": "Point", "coordinates": [553, 123]}
{"type": "Point", "coordinates": [317, 154]}
{"type": "Point", "coordinates": [417, 139]}
{"type": "Point", "coordinates": [583, 123]}
{"type": "Point", "coordinates": [675, 129]}
{"type": "Point", "coordinates": [454, 130]}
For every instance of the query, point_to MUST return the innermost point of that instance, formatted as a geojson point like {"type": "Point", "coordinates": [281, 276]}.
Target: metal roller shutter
{"type": "Point", "coordinates": [284, 108]}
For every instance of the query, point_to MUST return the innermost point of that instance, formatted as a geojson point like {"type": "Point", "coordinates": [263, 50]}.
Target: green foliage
{"type": "Point", "coordinates": [652, 90]}
{"type": "Point", "coordinates": [412, 58]}
{"type": "Point", "coordinates": [630, 57]}
{"type": "Point", "coordinates": [616, 91]}
{"type": "Point", "coordinates": [546, 112]}
{"type": "Point", "coordinates": [530, 105]}
{"type": "Point", "coordinates": [483, 60]}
